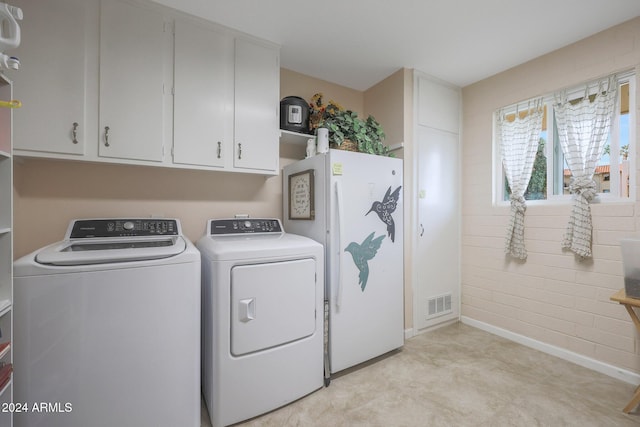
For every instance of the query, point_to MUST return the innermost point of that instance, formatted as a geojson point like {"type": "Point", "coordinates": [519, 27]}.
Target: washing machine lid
{"type": "Point", "coordinates": [100, 241]}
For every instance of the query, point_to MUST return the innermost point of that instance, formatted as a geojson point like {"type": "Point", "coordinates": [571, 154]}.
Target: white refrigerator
{"type": "Point", "coordinates": [352, 204]}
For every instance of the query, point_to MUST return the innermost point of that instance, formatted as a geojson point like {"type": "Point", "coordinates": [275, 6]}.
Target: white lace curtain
{"type": "Point", "coordinates": [583, 129]}
{"type": "Point", "coordinates": [518, 140]}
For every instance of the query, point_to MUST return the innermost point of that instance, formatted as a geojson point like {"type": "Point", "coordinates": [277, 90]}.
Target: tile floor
{"type": "Point", "coordinates": [461, 376]}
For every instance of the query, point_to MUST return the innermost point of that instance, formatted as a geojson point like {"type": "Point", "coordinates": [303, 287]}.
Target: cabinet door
{"type": "Point", "coordinates": [52, 78]}
{"type": "Point", "coordinates": [203, 96]}
{"type": "Point", "coordinates": [256, 123]}
{"type": "Point", "coordinates": [438, 105]}
{"type": "Point", "coordinates": [131, 81]}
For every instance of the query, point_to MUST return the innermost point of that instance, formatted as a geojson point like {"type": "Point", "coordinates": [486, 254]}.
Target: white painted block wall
{"type": "Point", "coordinates": [552, 297]}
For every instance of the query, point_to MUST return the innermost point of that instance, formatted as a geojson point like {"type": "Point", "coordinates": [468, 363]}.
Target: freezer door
{"type": "Point", "coordinates": [365, 257]}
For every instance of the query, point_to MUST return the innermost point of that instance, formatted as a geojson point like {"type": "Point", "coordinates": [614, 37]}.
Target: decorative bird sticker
{"type": "Point", "coordinates": [385, 208]}
{"type": "Point", "coordinates": [362, 253]}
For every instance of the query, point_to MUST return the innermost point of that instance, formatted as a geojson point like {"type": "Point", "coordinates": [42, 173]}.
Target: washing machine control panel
{"type": "Point", "coordinates": [88, 228]}
{"type": "Point", "coordinates": [245, 226]}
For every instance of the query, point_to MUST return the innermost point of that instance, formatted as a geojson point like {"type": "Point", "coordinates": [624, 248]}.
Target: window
{"type": "Point", "coordinates": [550, 178]}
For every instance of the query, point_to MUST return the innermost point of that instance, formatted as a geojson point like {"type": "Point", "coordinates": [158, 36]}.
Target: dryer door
{"type": "Point", "coordinates": [272, 304]}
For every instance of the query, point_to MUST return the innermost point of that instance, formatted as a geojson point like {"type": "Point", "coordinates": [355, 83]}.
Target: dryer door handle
{"type": "Point", "coordinates": [247, 309]}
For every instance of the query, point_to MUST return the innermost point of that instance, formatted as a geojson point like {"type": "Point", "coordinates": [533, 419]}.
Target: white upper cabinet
{"type": "Point", "coordinates": [226, 101]}
{"type": "Point", "coordinates": [51, 81]}
{"type": "Point", "coordinates": [132, 76]}
{"type": "Point", "coordinates": [257, 91]}
{"type": "Point", "coordinates": [203, 96]}
{"type": "Point", "coordinates": [438, 105]}
{"type": "Point", "coordinates": [123, 81]}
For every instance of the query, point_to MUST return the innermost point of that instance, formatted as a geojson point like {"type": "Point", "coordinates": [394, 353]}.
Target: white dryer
{"type": "Point", "coordinates": [107, 327]}
{"type": "Point", "coordinates": [263, 317]}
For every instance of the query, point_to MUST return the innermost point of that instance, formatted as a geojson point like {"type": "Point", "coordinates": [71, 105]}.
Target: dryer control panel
{"type": "Point", "coordinates": [89, 228]}
{"type": "Point", "coordinates": [245, 226]}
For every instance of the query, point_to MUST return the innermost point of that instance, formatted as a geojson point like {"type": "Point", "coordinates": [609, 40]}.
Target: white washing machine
{"type": "Point", "coordinates": [107, 327]}
{"type": "Point", "coordinates": [263, 317]}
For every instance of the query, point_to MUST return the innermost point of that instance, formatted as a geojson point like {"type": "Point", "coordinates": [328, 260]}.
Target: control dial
{"type": "Point", "coordinates": [128, 225]}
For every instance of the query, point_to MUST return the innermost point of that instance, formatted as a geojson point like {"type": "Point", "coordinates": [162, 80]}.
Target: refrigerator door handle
{"type": "Point", "coordinates": [339, 205]}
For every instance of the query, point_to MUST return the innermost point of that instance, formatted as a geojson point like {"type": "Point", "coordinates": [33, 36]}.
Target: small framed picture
{"type": "Point", "coordinates": [301, 195]}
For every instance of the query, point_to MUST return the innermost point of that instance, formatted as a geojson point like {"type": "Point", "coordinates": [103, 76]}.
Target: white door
{"type": "Point", "coordinates": [52, 79]}
{"type": "Point", "coordinates": [131, 81]}
{"type": "Point", "coordinates": [436, 258]}
{"type": "Point", "coordinates": [256, 130]}
{"type": "Point", "coordinates": [203, 96]}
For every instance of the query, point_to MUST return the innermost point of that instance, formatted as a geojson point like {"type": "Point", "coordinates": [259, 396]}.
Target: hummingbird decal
{"type": "Point", "coordinates": [361, 253]}
{"type": "Point", "coordinates": [385, 208]}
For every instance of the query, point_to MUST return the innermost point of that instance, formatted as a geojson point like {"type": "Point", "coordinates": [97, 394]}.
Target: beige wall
{"type": "Point", "coordinates": [552, 297]}
{"type": "Point", "coordinates": [49, 193]}
{"type": "Point", "coordinates": [386, 100]}
{"type": "Point", "coordinates": [391, 103]}
{"type": "Point", "coordinates": [296, 84]}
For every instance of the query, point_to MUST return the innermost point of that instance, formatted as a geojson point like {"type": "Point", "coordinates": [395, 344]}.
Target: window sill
{"type": "Point", "coordinates": [568, 200]}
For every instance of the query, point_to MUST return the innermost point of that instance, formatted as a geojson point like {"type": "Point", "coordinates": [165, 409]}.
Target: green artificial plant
{"type": "Point", "coordinates": [345, 124]}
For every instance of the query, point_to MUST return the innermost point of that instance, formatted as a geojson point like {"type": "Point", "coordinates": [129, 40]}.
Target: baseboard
{"type": "Point", "coordinates": [411, 332]}
{"type": "Point", "coordinates": [578, 359]}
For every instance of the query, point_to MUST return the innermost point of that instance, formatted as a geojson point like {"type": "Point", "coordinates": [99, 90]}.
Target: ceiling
{"type": "Point", "coordinates": [357, 43]}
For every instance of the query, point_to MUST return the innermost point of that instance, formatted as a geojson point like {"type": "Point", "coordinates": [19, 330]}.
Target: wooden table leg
{"type": "Point", "coordinates": [629, 304]}
{"type": "Point", "coordinates": [634, 401]}
{"type": "Point", "coordinates": [633, 315]}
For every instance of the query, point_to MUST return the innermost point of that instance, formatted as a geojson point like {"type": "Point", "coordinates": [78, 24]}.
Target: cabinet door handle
{"type": "Point", "coordinates": [239, 151]}
{"type": "Point", "coordinates": [219, 149]}
{"type": "Point", "coordinates": [75, 132]}
{"type": "Point", "coordinates": [106, 136]}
